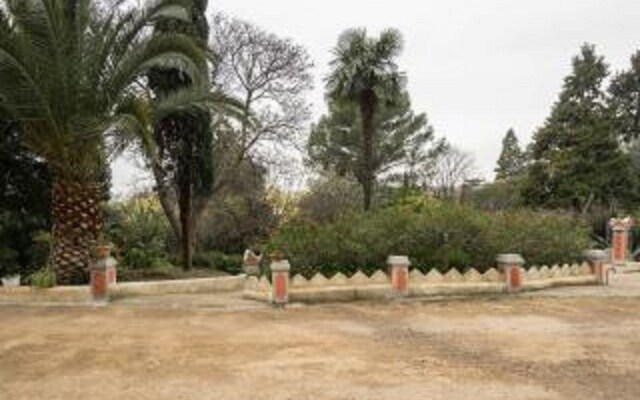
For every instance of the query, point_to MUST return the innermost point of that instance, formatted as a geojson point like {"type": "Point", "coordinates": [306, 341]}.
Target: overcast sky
{"type": "Point", "coordinates": [475, 67]}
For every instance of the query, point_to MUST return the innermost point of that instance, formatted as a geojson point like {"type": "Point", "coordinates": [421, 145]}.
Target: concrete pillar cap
{"type": "Point", "coordinates": [595, 255]}
{"type": "Point", "coordinates": [280, 266]}
{"type": "Point", "coordinates": [398, 260]}
{"type": "Point", "coordinates": [510, 259]}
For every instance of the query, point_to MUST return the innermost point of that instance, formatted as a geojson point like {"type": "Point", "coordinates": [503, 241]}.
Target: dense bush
{"type": "Point", "coordinates": [433, 234]}
{"type": "Point", "coordinates": [43, 278]}
{"type": "Point", "coordinates": [231, 264]}
{"type": "Point", "coordinates": [329, 198]}
{"type": "Point", "coordinates": [140, 232]}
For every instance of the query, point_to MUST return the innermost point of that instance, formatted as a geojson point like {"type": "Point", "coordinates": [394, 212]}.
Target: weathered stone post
{"type": "Point", "coordinates": [280, 281]}
{"type": "Point", "coordinates": [103, 274]}
{"type": "Point", "coordinates": [597, 260]}
{"type": "Point", "coordinates": [399, 267]}
{"type": "Point", "coordinates": [511, 267]}
{"type": "Point", "coordinates": [620, 239]}
{"type": "Point", "coordinates": [251, 263]}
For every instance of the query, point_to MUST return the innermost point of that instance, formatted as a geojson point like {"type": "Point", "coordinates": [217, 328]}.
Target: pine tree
{"type": "Point", "coordinates": [403, 141]}
{"type": "Point", "coordinates": [512, 159]}
{"type": "Point", "coordinates": [624, 100]}
{"type": "Point", "coordinates": [577, 160]}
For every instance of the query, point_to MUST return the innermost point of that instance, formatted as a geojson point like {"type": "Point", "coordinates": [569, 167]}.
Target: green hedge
{"type": "Point", "coordinates": [433, 234]}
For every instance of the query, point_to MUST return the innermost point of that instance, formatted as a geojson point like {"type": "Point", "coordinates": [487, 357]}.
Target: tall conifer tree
{"type": "Point", "coordinates": [512, 159]}
{"type": "Point", "coordinates": [577, 160]}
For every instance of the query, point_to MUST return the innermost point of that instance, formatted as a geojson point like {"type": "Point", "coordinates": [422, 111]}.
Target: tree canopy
{"type": "Point", "coordinates": [364, 75]}
{"type": "Point", "coordinates": [577, 159]}
{"type": "Point", "coordinates": [512, 158]}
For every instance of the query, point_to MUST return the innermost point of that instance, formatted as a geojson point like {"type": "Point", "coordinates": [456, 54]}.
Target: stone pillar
{"type": "Point", "coordinates": [280, 282]}
{"type": "Point", "coordinates": [597, 260]}
{"type": "Point", "coordinates": [399, 267]}
{"type": "Point", "coordinates": [511, 267]}
{"type": "Point", "coordinates": [620, 239]}
{"type": "Point", "coordinates": [103, 274]}
{"type": "Point", "coordinates": [251, 263]}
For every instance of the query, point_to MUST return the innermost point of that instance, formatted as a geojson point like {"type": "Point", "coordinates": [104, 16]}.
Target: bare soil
{"type": "Point", "coordinates": [528, 347]}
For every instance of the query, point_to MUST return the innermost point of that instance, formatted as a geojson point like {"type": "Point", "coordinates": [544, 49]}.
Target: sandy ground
{"type": "Point", "coordinates": [576, 343]}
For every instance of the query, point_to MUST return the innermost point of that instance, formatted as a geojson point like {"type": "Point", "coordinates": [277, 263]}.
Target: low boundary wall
{"type": "Point", "coordinates": [82, 294]}
{"type": "Point", "coordinates": [378, 286]}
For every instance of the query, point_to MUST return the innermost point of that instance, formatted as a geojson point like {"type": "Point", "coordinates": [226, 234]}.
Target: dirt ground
{"type": "Point", "coordinates": [542, 346]}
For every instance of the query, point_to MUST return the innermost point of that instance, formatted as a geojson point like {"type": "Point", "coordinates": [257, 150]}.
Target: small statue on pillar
{"type": "Point", "coordinates": [251, 263]}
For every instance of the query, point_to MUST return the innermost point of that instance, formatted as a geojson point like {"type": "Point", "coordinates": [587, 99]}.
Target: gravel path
{"type": "Point", "coordinates": [546, 345]}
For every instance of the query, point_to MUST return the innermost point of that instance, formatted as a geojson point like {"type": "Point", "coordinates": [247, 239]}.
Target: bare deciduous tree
{"type": "Point", "coordinates": [448, 171]}
{"type": "Point", "coordinates": [271, 77]}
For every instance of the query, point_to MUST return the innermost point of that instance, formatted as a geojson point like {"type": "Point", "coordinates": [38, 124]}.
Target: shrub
{"type": "Point", "coordinates": [433, 234]}
{"type": "Point", "coordinates": [8, 262]}
{"type": "Point", "coordinates": [43, 278]}
{"type": "Point", "coordinates": [329, 198]}
{"type": "Point", "coordinates": [140, 232]}
{"type": "Point", "coordinates": [231, 264]}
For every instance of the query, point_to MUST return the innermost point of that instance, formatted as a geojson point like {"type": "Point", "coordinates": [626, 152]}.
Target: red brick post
{"type": "Point", "coordinates": [597, 260]}
{"type": "Point", "coordinates": [251, 263]}
{"type": "Point", "coordinates": [399, 267]}
{"type": "Point", "coordinates": [620, 239]}
{"type": "Point", "coordinates": [511, 267]}
{"type": "Point", "coordinates": [280, 282]}
{"type": "Point", "coordinates": [103, 274]}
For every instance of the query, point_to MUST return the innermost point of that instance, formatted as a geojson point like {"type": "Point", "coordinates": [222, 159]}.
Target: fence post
{"type": "Point", "coordinates": [597, 259]}
{"type": "Point", "coordinates": [103, 274]}
{"type": "Point", "coordinates": [251, 263]}
{"type": "Point", "coordinates": [620, 239]}
{"type": "Point", "coordinates": [511, 266]}
{"type": "Point", "coordinates": [399, 266]}
{"type": "Point", "coordinates": [280, 282]}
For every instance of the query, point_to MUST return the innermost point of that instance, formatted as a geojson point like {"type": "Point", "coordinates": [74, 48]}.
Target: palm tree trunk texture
{"type": "Point", "coordinates": [77, 222]}
{"type": "Point", "coordinates": [367, 111]}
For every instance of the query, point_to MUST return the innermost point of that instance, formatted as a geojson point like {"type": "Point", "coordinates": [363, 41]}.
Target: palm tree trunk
{"type": "Point", "coordinates": [367, 111]}
{"type": "Point", "coordinates": [77, 222]}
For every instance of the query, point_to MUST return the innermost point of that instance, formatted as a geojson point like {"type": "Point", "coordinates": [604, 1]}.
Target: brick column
{"type": "Point", "coordinates": [280, 282]}
{"type": "Point", "coordinates": [511, 267]}
{"type": "Point", "coordinates": [620, 239]}
{"type": "Point", "coordinates": [103, 274]}
{"type": "Point", "coordinates": [399, 267]}
{"type": "Point", "coordinates": [597, 260]}
{"type": "Point", "coordinates": [251, 263]}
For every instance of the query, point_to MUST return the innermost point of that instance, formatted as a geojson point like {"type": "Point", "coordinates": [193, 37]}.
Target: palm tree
{"type": "Point", "coordinates": [364, 73]}
{"type": "Point", "coordinates": [65, 65]}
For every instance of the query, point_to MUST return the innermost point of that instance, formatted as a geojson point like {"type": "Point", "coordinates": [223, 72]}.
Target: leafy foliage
{"type": "Point", "coordinates": [43, 278]}
{"type": "Point", "coordinates": [24, 206]}
{"type": "Point", "coordinates": [577, 160]}
{"type": "Point", "coordinates": [433, 234]}
{"type": "Point", "coordinates": [364, 75]}
{"type": "Point", "coordinates": [512, 159]}
{"type": "Point", "coordinates": [65, 66]}
{"type": "Point", "coordinates": [183, 139]}
{"type": "Point", "coordinates": [239, 215]}
{"type": "Point", "coordinates": [399, 149]}
{"type": "Point", "coordinates": [329, 198]}
{"type": "Point", "coordinates": [139, 232]}
{"type": "Point", "coordinates": [624, 100]}
{"type": "Point", "coordinates": [231, 264]}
